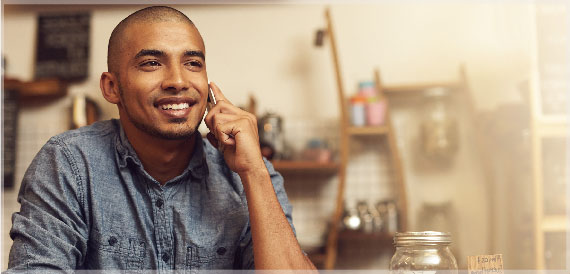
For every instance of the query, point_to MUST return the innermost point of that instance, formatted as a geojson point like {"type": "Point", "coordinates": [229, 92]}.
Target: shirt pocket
{"type": "Point", "coordinates": [114, 251]}
{"type": "Point", "coordinates": [210, 257]}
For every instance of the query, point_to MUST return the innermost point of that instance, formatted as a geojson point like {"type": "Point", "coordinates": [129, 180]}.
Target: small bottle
{"type": "Point", "coordinates": [358, 110]}
{"type": "Point", "coordinates": [427, 252]}
{"type": "Point", "coordinates": [391, 217]}
{"type": "Point", "coordinates": [375, 111]}
{"type": "Point", "coordinates": [383, 212]}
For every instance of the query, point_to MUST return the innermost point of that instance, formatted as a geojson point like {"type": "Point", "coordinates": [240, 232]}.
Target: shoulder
{"type": "Point", "coordinates": [97, 134]}
{"type": "Point", "coordinates": [63, 164]}
{"type": "Point", "coordinates": [78, 149]}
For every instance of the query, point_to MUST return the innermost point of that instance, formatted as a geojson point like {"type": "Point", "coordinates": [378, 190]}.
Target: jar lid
{"type": "Point", "coordinates": [366, 84]}
{"type": "Point", "coordinates": [358, 100]}
{"type": "Point", "coordinates": [422, 238]}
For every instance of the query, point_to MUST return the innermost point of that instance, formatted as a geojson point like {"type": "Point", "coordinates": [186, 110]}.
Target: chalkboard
{"type": "Point", "coordinates": [63, 46]}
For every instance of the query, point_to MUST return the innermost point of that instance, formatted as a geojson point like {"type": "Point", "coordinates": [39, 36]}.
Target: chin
{"type": "Point", "coordinates": [179, 135]}
{"type": "Point", "coordinates": [176, 130]}
{"type": "Point", "coordinates": [179, 132]}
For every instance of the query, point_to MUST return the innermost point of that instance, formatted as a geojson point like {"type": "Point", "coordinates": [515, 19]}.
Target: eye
{"type": "Point", "coordinates": [149, 65]}
{"type": "Point", "coordinates": [194, 64]}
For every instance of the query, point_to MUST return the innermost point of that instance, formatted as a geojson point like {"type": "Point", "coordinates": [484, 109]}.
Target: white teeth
{"type": "Point", "coordinates": [175, 106]}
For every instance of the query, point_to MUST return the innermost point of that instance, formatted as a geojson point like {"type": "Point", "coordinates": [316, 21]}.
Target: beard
{"type": "Point", "coordinates": [178, 129]}
{"type": "Point", "coordinates": [182, 131]}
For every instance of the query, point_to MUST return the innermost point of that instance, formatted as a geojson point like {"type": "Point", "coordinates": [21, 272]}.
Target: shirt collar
{"type": "Point", "coordinates": [197, 166]}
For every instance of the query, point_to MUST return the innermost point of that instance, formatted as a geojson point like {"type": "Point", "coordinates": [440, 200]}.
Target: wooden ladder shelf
{"type": "Point", "coordinates": [348, 134]}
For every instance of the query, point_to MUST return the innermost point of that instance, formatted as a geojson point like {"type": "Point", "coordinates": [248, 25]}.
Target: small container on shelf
{"type": "Point", "coordinates": [375, 111]}
{"type": "Point", "coordinates": [358, 111]}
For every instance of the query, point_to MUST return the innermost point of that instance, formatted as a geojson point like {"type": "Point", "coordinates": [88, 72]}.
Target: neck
{"type": "Point", "coordinates": [161, 158]}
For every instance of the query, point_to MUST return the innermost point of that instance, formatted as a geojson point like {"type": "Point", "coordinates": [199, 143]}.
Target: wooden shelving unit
{"type": "Point", "coordinates": [348, 134]}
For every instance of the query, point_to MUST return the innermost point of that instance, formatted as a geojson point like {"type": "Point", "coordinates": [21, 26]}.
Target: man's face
{"type": "Point", "coordinates": [162, 79]}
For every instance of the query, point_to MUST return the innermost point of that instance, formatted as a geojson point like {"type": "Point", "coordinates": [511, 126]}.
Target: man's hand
{"type": "Point", "coordinates": [234, 131]}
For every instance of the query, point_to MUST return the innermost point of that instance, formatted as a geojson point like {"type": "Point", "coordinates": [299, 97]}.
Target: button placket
{"type": "Point", "coordinates": [164, 243]}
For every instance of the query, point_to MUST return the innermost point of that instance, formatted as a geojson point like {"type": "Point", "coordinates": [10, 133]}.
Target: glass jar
{"type": "Point", "coordinates": [439, 130]}
{"type": "Point", "coordinates": [426, 251]}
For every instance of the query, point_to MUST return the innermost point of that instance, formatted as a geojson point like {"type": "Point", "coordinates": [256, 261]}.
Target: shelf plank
{"type": "Point", "coordinates": [368, 130]}
{"type": "Point", "coordinates": [305, 166]}
{"type": "Point", "coordinates": [412, 89]}
{"type": "Point", "coordinates": [554, 223]}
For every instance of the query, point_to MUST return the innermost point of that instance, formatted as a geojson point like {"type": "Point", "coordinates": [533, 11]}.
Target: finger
{"type": "Point", "coordinates": [218, 93]}
{"type": "Point", "coordinates": [217, 121]}
{"type": "Point", "coordinates": [226, 135]}
{"type": "Point", "coordinates": [226, 108]}
{"type": "Point", "coordinates": [222, 118]}
{"type": "Point", "coordinates": [246, 120]}
{"type": "Point", "coordinates": [217, 117]}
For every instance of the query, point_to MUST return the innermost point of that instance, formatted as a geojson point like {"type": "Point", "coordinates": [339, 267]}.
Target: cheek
{"type": "Point", "coordinates": [140, 89]}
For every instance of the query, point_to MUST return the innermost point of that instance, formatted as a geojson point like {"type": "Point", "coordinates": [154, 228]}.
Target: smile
{"type": "Point", "coordinates": [174, 106]}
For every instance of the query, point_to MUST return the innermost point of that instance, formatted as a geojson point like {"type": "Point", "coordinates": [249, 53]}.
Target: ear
{"type": "Point", "coordinates": [110, 87]}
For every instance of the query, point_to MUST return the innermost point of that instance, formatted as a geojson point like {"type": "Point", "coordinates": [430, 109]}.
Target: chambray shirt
{"type": "Point", "coordinates": [87, 203]}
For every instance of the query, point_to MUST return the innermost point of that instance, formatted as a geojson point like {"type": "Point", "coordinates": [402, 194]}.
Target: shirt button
{"type": "Point", "coordinates": [159, 203]}
{"type": "Point", "coordinates": [112, 240]}
{"type": "Point", "coordinates": [221, 251]}
{"type": "Point", "coordinates": [165, 257]}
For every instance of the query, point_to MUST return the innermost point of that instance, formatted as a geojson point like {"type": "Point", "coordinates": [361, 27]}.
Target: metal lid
{"type": "Point", "coordinates": [422, 238]}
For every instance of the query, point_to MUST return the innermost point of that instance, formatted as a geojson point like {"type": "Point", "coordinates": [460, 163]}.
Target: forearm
{"type": "Point", "coordinates": [274, 243]}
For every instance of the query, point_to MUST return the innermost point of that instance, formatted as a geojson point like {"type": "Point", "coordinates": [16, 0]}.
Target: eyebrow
{"type": "Point", "coordinates": [150, 52]}
{"type": "Point", "coordinates": [160, 53]}
{"type": "Point", "coordinates": [196, 53]}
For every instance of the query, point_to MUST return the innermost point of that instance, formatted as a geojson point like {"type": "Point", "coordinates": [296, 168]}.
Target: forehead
{"type": "Point", "coordinates": [170, 37]}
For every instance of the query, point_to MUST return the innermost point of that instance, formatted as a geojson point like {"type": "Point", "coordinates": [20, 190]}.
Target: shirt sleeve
{"type": "Point", "coordinates": [49, 231]}
{"type": "Point", "coordinates": [246, 243]}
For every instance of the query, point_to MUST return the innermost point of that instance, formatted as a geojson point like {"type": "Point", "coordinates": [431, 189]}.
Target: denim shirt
{"type": "Point", "coordinates": [87, 203]}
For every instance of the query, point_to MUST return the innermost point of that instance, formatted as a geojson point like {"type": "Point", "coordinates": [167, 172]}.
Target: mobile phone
{"type": "Point", "coordinates": [211, 98]}
{"type": "Point", "coordinates": [210, 104]}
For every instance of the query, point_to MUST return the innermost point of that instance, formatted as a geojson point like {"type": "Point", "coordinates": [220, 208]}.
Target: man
{"type": "Point", "coordinates": [145, 192]}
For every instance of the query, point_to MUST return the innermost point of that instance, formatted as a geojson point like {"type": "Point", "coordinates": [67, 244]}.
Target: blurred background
{"type": "Point", "coordinates": [435, 116]}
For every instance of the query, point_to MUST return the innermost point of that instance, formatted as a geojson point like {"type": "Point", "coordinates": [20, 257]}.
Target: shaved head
{"type": "Point", "coordinates": [148, 15]}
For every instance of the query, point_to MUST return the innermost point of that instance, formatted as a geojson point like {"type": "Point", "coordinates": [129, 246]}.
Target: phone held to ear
{"type": "Point", "coordinates": [211, 98]}
{"type": "Point", "coordinates": [209, 105]}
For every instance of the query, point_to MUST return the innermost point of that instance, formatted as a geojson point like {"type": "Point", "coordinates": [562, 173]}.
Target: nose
{"type": "Point", "coordinates": [175, 80]}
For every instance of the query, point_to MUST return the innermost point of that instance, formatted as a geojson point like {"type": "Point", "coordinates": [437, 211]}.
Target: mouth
{"type": "Point", "coordinates": [175, 107]}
